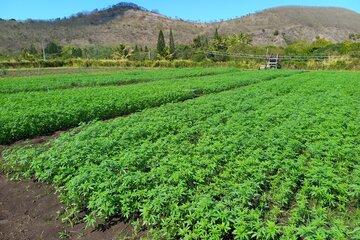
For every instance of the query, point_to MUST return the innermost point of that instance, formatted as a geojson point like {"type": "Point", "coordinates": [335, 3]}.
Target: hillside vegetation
{"type": "Point", "coordinates": [130, 24]}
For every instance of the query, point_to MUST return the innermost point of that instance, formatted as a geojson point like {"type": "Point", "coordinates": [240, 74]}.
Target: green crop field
{"type": "Point", "coordinates": [37, 111]}
{"type": "Point", "coordinates": [102, 78]}
{"type": "Point", "coordinates": [194, 153]}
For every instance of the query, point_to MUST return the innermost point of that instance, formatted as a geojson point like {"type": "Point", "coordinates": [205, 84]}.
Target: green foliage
{"type": "Point", "coordinates": [55, 104]}
{"type": "Point", "coordinates": [220, 49]}
{"type": "Point", "coordinates": [101, 78]}
{"type": "Point", "coordinates": [3, 72]}
{"type": "Point", "coordinates": [350, 48]}
{"type": "Point", "coordinates": [76, 52]}
{"type": "Point", "coordinates": [297, 48]}
{"type": "Point", "coordinates": [238, 43]}
{"type": "Point", "coordinates": [276, 159]}
{"type": "Point", "coordinates": [185, 52]}
{"type": "Point", "coordinates": [64, 235]}
{"type": "Point", "coordinates": [161, 45]}
{"type": "Point", "coordinates": [31, 50]}
{"type": "Point", "coordinates": [98, 52]}
{"type": "Point", "coordinates": [72, 52]}
{"type": "Point", "coordinates": [201, 42]}
{"type": "Point", "coordinates": [52, 48]}
{"type": "Point", "coordinates": [319, 44]}
{"type": "Point", "coordinates": [120, 52]}
{"type": "Point", "coordinates": [3, 57]}
{"type": "Point", "coordinates": [217, 36]}
{"type": "Point", "coordinates": [172, 47]}
{"type": "Point", "coordinates": [30, 54]}
{"type": "Point", "coordinates": [137, 54]}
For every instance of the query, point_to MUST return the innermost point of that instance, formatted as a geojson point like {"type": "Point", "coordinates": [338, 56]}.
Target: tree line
{"type": "Point", "coordinates": [216, 48]}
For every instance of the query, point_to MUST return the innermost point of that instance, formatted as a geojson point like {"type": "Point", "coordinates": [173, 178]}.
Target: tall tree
{"type": "Point", "coordinates": [53, 48]}
{"type": "Point", "coordinates": [172, 43]}
{"type": "Point", "coordinates": [217, 35]}
{"type": "Point", "coordinates": [161, 45]}
{"type": "Point", "coordinates": [76, 52]}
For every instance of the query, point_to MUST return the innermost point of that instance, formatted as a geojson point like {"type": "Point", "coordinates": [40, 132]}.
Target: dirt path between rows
{"type": "Point", "coordinates": [29, 211]}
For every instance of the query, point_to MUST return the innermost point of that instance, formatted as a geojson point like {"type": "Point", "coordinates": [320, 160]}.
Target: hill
{"type": "Point", "coordinates": [132, 24]}
{"type": "Point", "coordinates": [287, 24]}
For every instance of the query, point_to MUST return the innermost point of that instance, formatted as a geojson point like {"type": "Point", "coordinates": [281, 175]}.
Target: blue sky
{"type": "Point", "coordinates": [204, 10]}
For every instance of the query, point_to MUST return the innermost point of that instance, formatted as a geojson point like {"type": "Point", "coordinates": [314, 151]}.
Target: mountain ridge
{"type": "Point", "coordinates": [132, 24]}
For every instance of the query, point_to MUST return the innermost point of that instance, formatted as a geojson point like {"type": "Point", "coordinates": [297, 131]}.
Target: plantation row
{"type": "Point", "coordinates": [275, 160]}
{"type": "Point", "coordinates": [24, 115]}
{"type": "Point", "coordinates": [64, 81]}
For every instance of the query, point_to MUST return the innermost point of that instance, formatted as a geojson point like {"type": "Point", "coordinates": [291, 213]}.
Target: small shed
{"type": "Point", "coordinates": [273, 62]}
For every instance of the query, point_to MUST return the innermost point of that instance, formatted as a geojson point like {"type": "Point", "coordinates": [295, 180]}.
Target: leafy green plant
{"type": "Point", "coordinates": [274, 159]}
{"type": "Point", "coordinates": [64, 235]}
{"type": "Point", "coordinates": [102, 78]}
{"type": "Point", "coordinates": [27, 114]}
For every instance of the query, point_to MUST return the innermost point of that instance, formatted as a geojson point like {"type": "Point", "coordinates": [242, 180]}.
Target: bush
{"type": "Point", "coordinates": [314, 65]}
{"type": "Point", "coordinates": [339, 63]}
{"type": "Point", "coordinates": [3, 72]}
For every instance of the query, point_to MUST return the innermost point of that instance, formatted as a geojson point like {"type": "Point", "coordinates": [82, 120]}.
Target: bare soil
{"type": "Point", "coordinates": [30, 211]}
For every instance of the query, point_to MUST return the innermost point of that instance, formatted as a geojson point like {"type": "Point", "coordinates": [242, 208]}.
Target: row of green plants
{"type": "Point", "coordinates": [28, 114]}
{"type": "Point", "coordinates": [275, 160]}
{"type": "Point", "coordinates": [101, 78]}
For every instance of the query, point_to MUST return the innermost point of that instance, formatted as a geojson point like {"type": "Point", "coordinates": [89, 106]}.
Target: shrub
{"type": "Point", "coordinates": [3, 72]}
